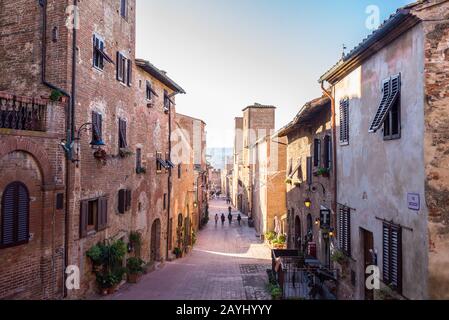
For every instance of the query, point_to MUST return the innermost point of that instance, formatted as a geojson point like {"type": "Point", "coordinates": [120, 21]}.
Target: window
{"type": "Point", "coordinates": [344, 230]}
{"type": "Point", "coordinates": [388, 112]}
{"type": "Point", "coordinates": [344, 121]}
{"type": "Point", "coordinates": [392, 256]}
{"type": "Point", "coordinates": [317, 152]}
{"type": "Point", "coordinates": [327, 154]}
{"type": "Point", "coordinates": [167, 101]}
{"type": "Point", "coordinates": [161, 163]}
{"type": "Point", "coordinates": [124, 200]}
{"type": "Point", "coordinates": [309, 170]}
{"type": "Point", "coordinates": [96, 127]}
{"type": "Point", "coordinates": [124, 8]}
{"type": "Point", "coordinates": [149, 91]}
{"type": "Point", "coordinates": [165, 201]}
{"type": "Point", "coordinates": [124, 69]}
{"type": "Point", "coordinates": [170, 164]}
{"type": "Point", "coordinates": [122, 134]}
{"type": "Point", "coordinates": [170, 234]}
{"type": "Point", "coordinates": [179, 171]}
{"type": "Point", "coordinates": [99, 54]}
{"type": "Point", "coordinates": [15, 215]}
{"type": "Point", "coordinates": [93, 216]}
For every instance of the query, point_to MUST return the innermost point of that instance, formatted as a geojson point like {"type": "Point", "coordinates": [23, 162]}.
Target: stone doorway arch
{"type": "Point", "coordinates": [155, 254]}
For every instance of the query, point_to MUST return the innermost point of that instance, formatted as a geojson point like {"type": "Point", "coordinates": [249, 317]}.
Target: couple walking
{"type": "Point", "coordinates": [223, 218]}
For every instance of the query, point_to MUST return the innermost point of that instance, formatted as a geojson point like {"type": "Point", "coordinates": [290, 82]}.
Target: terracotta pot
{"type": "Point", "coordinates": [112, 290]}
{"type": "Point", "coordinates": [134, 277]}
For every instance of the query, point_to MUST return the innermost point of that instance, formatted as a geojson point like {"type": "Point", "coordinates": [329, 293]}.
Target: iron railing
{"type": "Point", "coordinates": [22, 114]}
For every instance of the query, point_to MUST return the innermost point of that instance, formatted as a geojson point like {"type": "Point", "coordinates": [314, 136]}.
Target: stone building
{"type": "Point", "coordinates": [269, 210]}
{"type": "Point", "coordinates": [215, 180]}
{"type": "Point", "coordinates": [391, 99]}
{"type": "Point", "coordinates": [310, 182]}
{"type": "Point", "coordinates": [258, 121]}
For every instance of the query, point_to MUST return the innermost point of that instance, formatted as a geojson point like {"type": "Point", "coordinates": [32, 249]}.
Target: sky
{"type": "Point", "coordinates": [228, 54]}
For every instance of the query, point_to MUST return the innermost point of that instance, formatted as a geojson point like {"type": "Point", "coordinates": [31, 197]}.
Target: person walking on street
{"type": "Point", "coordinates": [216, 219]}
{"type": "Point", "coordinates": [230, 210]}
{"type": "Point", "coordinates": [230, 217]}
{"type": "Point", "coordinates": [239, 218]}
{"type": "Point", "coordinates": [223, 219]}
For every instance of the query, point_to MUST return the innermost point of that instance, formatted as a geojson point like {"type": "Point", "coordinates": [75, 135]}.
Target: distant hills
{"type": "Point", "coordinates": [217, 156]}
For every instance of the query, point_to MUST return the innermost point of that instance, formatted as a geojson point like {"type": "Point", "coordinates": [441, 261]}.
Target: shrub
{"type": "Point", "coordinates": [270, 236]}
{"type": "Point", "coordinates": [134, 265]}
{"type": "Point", "coordinates": [282, 239]}
{"type": "Point", "coordinates": [95, 254]}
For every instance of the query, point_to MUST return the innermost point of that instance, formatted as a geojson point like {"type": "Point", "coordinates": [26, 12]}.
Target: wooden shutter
{"type": "Point", "coordinates": [392, 256]}
{"type": "Point", "coordinates": [102, 219]}
{"type": "Point", "coordinates": [340, 229]}
{"type": "Point", "coordinates": [84, 213]}
{"type": "Point", "coordinates": [122, 201]}
{"type": "Point", "coordinates": [344, 121]}
{"type": "Point", "coordinates": [316, 152]}
{"type": "Point", "coordinates": [122, 133]}
{"type": "Point", "coordinates": [309, 170]}
{"type": "Point", "coordinates": [344, 230]}
{"type": "Point", "coordinates": [8, 216]}
{"type": "Point", "coordinates": [130, 73]}
{"type": "Point", "coordinates": [23, 202]}
{"type": "Point", "coordinates": [119, 64]}
{"type": "Point", "coordinates": [128, 200]}
{"type": "Point", "coordinates": [138, 159]}
{"type": "Point", "coordinates": [327, 152]}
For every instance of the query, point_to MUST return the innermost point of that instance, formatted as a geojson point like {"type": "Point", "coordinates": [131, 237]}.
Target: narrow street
{"type": "Point", "coordinates": [227, 263]}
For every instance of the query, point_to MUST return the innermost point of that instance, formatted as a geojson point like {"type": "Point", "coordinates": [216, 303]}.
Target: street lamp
{"type": "Point", "coordinates": [308, 203]}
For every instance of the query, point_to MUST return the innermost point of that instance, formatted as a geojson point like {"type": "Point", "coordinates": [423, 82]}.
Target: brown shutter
{"type": "Point", "coordinates": [84, 212]}
{"type": "Point", "coordinates": [309, 170]}
{"type": "Point", "coordinates": [119, 63]}
{"type": "Point", "coordinates": [122, 201]}
{"type": "Point", "coordinates": [316, 152]}
{"type": "Point", "coordinates": [102, 219]}
{"type": "Point", "coordinates": [130, 72]}
{"type": "Point", "coordinates": [138, 159]}
{"type": "Point", "coordinates": [327, 152]}
{"type": "Point", "coordinates": [128, 200]}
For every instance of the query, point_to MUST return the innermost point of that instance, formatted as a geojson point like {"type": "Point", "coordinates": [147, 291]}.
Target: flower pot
{"type": "Point", "coordinates": [134, 277]}
{"type": "Point", "coordinates": [112, 289]}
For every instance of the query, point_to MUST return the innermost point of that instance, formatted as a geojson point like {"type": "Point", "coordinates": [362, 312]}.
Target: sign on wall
{"type": "Point", "coordinates": [413, 201]}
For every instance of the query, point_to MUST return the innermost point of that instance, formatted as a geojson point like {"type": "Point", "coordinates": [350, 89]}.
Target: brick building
{"type": "Point", "coordinates": [257, 122]}
{"type": "Point", "coordinates": [111, 114]}
{"type": "Point", "coordinates": [392, 177]}
{"type": "Point", "coordinates": [269, 210]}
{"type": "Point", "coordinates": [310, 183]}
{"type": "Point", "coordinates": [215, 184]}
{"type": "Point", "coordinates": [189, 199]}
{"type": "Point", "coordinates": [32, 166]}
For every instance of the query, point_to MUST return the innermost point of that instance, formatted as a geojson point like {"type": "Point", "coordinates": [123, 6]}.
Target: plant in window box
{"type": "Point", "coordinates": [134, 269]}
{"type": "Point", "coordinates": [324, 172]}
{"type": "Point", "coordinates": [125, 152]}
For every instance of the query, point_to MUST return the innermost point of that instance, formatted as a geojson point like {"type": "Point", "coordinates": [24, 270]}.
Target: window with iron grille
{"type": "Point", "coordinates": [93, 216]}
{"type": "Point", "coordinates": [344, 121]}
{"type": "Point", "coordinates": [97, 121]}
{"type": "Point", "coordinates": [388, 112]}
{"type": "Point", "coordinates": [124, 8]}
{"type": "Point", "coordinates": [122, 134]}
{"type": "Point", "coordinates": [344, 230]}
{"type": "Point", "coordinates": [317, 152]}
{"type": "Point", "coordinates": [15, 215]}
{"type": "Point", "coordinates": [392, 256]}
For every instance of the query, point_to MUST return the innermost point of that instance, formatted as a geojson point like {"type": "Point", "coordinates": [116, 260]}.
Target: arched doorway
{"type": "Point", "coordinates": [187, 232]}
{"type": "Point", "coordinates": [297, 233]}
{"type": "Point", "coordinates": [155, 254]}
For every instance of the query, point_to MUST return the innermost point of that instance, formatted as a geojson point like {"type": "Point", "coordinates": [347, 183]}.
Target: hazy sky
{"type": "Point", "coordinates": [228, 54]}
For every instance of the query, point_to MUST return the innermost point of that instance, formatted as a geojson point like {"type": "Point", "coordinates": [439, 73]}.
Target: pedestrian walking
{"type": "Point", "coordinates": [230, 210]}
{"type": "Point", "coordinates": [239, 218]}
{"type": "Point", "coordinates": [216, 219]}
{"type": "Point", "coordinates": [230, 217]}
{"type": "Point", "coordinates": [223, 219]}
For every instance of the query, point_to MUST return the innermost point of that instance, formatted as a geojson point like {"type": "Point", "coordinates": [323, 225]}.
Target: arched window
{"type": "Point", "coordinates": [15, 215]}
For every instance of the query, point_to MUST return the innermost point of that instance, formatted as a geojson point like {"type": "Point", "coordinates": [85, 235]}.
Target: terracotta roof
{"type": "Point", "coordinates": [306, 113]}
{"type": "Point", "coordinates": [402, 16]}
{"type": "Point", "coordinates": [159, 74]}
{"type": "Point", "coordinates": [190, 117]}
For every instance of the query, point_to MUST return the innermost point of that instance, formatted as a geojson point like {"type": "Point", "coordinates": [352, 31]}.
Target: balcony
{"type": "Point", "coordinates": [22, 113]}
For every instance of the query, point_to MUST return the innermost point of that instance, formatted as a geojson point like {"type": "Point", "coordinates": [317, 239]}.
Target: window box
{"type": "Point", "coordinates": [125, 152]}
{"type": "Point", "coordinates": [324, 172]}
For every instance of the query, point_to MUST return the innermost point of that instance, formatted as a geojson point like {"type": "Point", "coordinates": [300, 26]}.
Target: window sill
{"type": "Point", "coordinates": [98, 69]}
{"type": "Point", "coordinates": [343, 144]}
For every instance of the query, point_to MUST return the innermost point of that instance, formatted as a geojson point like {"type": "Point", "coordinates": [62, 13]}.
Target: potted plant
{"type": "Point", "coordinates": [125, 152]}
{"type": "Point", "coordinates": [134, 269]}
{"type": "Point", "coordinates": [324, 172]}
{"type": "Point", "coordinates": [270, 236]}
{"type": "Point", "coordinates": [275, 291]}
{"type": "Point", "coordinates": [177, 252]}
{"type": "Point", "coordinates": [96, 256]}
{"type": "Point", "coordinates": [107, 282]}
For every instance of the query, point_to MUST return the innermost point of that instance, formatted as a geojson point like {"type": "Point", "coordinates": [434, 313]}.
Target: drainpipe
{"type": "Point", "coordinates": [69, 123]}
{"type": "Point", "coordinates": [334, 143]}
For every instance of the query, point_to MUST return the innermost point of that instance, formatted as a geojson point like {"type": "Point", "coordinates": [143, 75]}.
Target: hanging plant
{"type": "Point", "coordinates": [55, 95]}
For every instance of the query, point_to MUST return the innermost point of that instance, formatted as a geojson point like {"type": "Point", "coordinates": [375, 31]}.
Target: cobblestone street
{"type": "Point", "coordinates": [227, 263]}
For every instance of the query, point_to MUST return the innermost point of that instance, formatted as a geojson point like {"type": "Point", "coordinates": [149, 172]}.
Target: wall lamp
{"type": "Point", "coordinates": [308, 203]}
